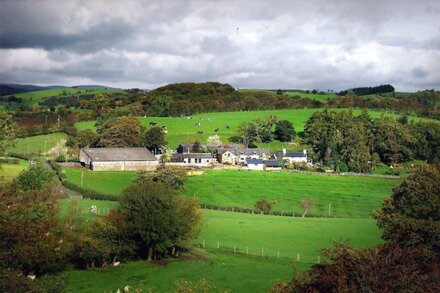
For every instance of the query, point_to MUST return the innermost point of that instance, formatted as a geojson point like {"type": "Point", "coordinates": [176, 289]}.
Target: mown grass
{"type": "Point", "coordinates": [37, 144]}
{"type": "Point", "coordinates": [225, 271]}
{"type": "Point", "coordinates": [239, 272]}
{"type": "Point", "coordinates": [8, 171]}
{"type": "Point", "coordinates": [349, 196]}
{"type": "Point", "coordinates": [182, 129]}
{"type": "Point", "coordinates": [106, 182]}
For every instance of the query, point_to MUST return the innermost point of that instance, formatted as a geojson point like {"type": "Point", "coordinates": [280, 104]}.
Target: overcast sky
{"type": "Point", "coordinates": [324, 44]}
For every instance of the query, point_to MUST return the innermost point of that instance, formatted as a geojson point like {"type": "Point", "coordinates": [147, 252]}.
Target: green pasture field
{"type": "Point", "coordinates": [291, 93]}
{"type": "Point", "coordinates": [320, 97]}
{"type": "Point", "coordinates": [107, 182]}
{"type": "Point", "coordinates": [30, 98]}
{"type": "Point", "coordinates": [182, 129]}
{"type": "Point", "coordinates": [348, 196]}
{"type": "Point", "coordinates": [227, 272]}
{"type": "Point", "coordinates": [37, 144]}
{"type": "Point", "coordinates": [8, 171]}
{"type": "Point", "coordinates": [103, 207]}
{"type": "Point", "coordinates": [239, 272]}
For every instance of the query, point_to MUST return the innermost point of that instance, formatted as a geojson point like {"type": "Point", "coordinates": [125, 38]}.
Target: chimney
{"type": "Point", "coordinates": [284, 152]}
{"type": "Point", "coordinates": [305, 152]}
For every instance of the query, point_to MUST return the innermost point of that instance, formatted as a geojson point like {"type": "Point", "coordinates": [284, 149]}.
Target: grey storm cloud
{"type": "Point", "coordinates": [325, 44]}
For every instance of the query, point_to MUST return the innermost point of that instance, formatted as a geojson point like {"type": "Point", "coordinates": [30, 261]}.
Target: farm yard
{"type": "Point", "coordinates": [179, 128]}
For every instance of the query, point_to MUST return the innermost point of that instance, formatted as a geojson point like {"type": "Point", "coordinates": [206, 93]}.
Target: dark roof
{"type": "Point", "coordinates": [272, 163]}
{"type": "Point", "coordinates": [295, 155]}
{"type": "Point", "coordinates": [244, 151]}
{"type": "Point", "coordinates": [255, 161]}
{"type": "Point", "coordinates": [291, 155]}
{"type": "Point", "coordinates": [119, 154]}
{"type": "Point", "coordinates": [197, 155]}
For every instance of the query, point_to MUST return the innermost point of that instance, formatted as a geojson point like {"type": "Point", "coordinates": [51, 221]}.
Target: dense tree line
{"type": "Point", "coordinates": [344, 141]}
{"type": "Point", "coordinates": [362, 91]}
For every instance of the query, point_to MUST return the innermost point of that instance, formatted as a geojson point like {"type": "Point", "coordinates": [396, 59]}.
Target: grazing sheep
{"type": "Point", "coordinates": [115, 264]}
{"type": "Point", "coordinates": [127, 289]}
{"type": "Point", "coordinates": [31, 277]}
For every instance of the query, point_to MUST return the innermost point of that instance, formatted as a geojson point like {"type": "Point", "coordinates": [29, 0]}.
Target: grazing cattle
{"type": "Point", "coordinates": [200, 132]}
{"type": "Point", "coordinates": [227, 127]}
{"type": "Point", "coordinates": [153, 123]}
{"type": "Point", "coordinates": [216, 130]}
{"type": "Point", "coordinates": [198, 124]}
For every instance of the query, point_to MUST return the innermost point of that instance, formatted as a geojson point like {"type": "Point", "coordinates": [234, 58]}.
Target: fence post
{"type": "Point", "coordinates": [297, 257]}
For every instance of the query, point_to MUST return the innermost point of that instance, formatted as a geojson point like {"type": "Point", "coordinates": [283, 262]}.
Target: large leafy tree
{"type": "Point", "coordinates": [161, 222]}
{"type": "Point", "coordinates": [392, 140]}
{"type": "Point", "coordinates": [7, 134]}
{"type": "Point", "coordinates": [338, 137]}
{"type": "Point", "coordinates": [427, 141]}
{"type": "Point", "coordinates": [412, 215]}
{"type": "Point", "coordinates": [121, 132]}
{"type": "Point", "coordinates": [31, 232]}
{"type": "Point", "coordinates": [172, 176]}
{"type": "Point", "coordinates": [154, 139]}
{"type": "Point", "coordinates": [35, 177]}
{"type": "Point", "coordinates": [284, 131]}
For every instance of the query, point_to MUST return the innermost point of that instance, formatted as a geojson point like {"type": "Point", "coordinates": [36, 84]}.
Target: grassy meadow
{"type": "Point", "coordinates": [10, 170]}
{"type": "Point", "coordinates": [240, 272]}
{"type": "Point", "coordinates": [182, 129]}
{"type": "Point", "coordinates": [30, 98]}
{"type": "Point", "coordinates": [107, 182]}
{"type": "Point", "coordinates": [348, 196]}
{"type": "Point", "coordinates": [37, 144]}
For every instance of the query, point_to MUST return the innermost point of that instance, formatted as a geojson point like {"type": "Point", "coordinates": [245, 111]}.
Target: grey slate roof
{"type": "Point", "coordinates": [295, 155]}
{"type": "Point", "coordinates": [272, 163]}
{"type": "Point", "coordinates": [119, 154]}
{"type": "Point", "coordinates": [244, 151]}
{"type": "Point", "coordinates": [254, 161]}
{"type": "Point", "coordinates": [197, 155]}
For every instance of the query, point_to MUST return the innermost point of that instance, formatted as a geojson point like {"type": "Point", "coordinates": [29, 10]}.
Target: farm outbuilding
{"type": "Point", "coordinates": [118, 159]}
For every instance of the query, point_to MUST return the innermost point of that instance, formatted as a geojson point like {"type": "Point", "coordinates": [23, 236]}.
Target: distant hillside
{"type": "Point", "coordinates": [93, 86]}
{"type": "Point", "coordinates": [14, 88]}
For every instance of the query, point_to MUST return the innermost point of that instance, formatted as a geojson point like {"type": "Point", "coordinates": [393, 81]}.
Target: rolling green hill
{"type": "Point", "coordinates": [182, 129]}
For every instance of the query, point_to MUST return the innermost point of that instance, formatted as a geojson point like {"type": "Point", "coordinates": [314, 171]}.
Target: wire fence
{"type": "Point", "coordinates": [264, 252]}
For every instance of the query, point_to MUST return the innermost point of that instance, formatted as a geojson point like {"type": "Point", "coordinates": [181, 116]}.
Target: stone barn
{"type": "Point", "coordinates": [118, 159]}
